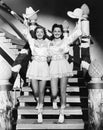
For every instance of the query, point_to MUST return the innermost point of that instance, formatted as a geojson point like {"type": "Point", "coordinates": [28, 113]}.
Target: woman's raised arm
{"type": "Point", "coordinates": [77, 32]}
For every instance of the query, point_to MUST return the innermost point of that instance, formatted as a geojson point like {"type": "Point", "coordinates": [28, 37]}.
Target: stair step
{"type": "Point", "coordinates": [75, 79]}
{"type": "Point", "coordinates": [69, 89]}
{"type": "Point", "coordinates": [76, 124]}
{"type": "Point", "coordinates": [69, 99]}
{"type": "Point", "coordinates": [75, 72]}
{"type": "Point", "coordinates": [27, 111]}
{"type": "Point", "coordinates": [71, 110]}
{"type": "Point", "coordinates": [72, 79]}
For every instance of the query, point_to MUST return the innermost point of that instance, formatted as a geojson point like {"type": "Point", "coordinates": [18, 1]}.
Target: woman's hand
{"type": "Point", "coordinates": [25, 22]}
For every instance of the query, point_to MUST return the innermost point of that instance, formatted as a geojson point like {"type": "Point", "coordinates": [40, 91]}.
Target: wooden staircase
{"type": "Point", "coordinates": [27, 114]}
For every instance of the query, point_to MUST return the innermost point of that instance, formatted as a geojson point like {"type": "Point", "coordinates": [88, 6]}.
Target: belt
{"type": "Point", "coordinates": [58, 57]}
{"type": "Point", "coordinates": [39, 58]}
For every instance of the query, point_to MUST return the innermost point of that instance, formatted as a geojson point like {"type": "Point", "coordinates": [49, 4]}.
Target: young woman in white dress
{"type": "Point", "coordinates": [59, 66]}
{"type": "Point", "coordinates": [38, 70]}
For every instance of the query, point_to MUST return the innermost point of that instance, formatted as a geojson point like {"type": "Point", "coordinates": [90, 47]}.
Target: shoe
{"type": "Point", "coordinates": [61, 118]}
{"type": "Point", "coordinates": [61, 115]}
{"type": "Point", "coordinates": [40, 118]}
{"type": "Point", "coordinates": [40, 110]}
{"type": "Point", "coordinates": [62, 107]}
{"type": "Point", "coordinates": [39, 106]}
{"type": "Point", "coordinates": [55, 105]}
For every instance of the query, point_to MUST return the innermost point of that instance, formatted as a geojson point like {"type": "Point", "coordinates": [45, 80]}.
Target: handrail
{"type": "Point", "coordinates": [14, 28]}
{"type": "Point", "coordinates": [13, 39]}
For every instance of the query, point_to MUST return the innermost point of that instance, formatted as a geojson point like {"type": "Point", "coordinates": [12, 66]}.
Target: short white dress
{"type": "Point", "coordinates": [38, 69]}
{"type": "Point", "coordinates": [59, 66]}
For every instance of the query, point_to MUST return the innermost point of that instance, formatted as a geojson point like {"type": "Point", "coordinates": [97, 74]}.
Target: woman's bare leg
{"type": "Point", "coordinates": [54, 90]}
{"type": "Point", "coordinates": [63, 85]}
{"type": "Point", "coordinates": [42, 85]}
{"type": "Point", "coordinates": [35, 87]}
{"type": "Point", "coordinates": [41, 100]}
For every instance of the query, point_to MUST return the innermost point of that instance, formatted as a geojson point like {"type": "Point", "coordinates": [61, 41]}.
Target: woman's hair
{"type": "Point", "coordinates": [57, 26]}
{"type": "Point", "coordinates": [39, 27]}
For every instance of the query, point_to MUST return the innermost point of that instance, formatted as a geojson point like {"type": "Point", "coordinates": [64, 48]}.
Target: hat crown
{"type": "Point", "coordinates": [85, 9]}
{"type": "Point", "coordinates": [78, 12]}
{"type": "Point", "coordinates": [29, 11]}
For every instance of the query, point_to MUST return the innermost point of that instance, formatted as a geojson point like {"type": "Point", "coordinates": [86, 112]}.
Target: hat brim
{"type": "Point", "coordinates": [29, 15]}
{"type": "Point", "coordinates": [71, 14]}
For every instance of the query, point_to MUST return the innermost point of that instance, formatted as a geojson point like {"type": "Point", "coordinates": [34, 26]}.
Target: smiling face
{"type": "Point", "coordinates": [39, 33]}
{"type": "Point", "coordinates": [57, 32]}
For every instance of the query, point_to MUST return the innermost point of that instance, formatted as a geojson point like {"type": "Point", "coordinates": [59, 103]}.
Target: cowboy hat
{"type": "Point", "coordinates": [29, 12]}
{"type": "Point", "coordinates": [77, 13]}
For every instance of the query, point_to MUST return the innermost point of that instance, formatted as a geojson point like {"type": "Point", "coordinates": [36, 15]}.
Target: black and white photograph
{"type": "Point", "coordinates": [51, 65]}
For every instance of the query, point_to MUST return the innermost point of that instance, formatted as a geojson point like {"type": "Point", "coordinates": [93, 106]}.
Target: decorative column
{"type": "Point", "coordinates": [5, 97]}
{"type": "Point", "coordinates": [95, 97]}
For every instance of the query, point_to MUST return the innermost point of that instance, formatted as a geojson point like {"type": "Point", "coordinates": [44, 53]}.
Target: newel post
{"type": "Point", "coordinates": [95, 96]}
{"type": "Point", "coordinates": [5, 97]}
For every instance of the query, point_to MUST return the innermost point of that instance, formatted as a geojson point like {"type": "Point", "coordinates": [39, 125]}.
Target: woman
{"type": "Point", "coordinates": [59, 66]}
{"type": "Point", "coordinates": [38, 71]}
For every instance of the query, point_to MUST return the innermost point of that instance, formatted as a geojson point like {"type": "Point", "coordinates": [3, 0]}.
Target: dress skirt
{"type": "Point", "coordinates": [38, 70]}
{"type": "Point", "coordinates": [60, 68]}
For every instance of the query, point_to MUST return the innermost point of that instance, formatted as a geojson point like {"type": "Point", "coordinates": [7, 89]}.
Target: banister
{"type": "Point", "coordinates": [13, 38]}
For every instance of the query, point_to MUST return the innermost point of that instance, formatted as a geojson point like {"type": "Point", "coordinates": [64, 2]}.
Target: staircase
{"type": "Point", "coordinates": [76, 96]}
{"type": "Point", "coordinates": [75, 115]}
{"type": "Point", "coordinates": [9, 46]}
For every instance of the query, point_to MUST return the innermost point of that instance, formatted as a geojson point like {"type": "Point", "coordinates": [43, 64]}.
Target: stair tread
{"type": "Point", "coordinates": [48, 99]}
{"type": "Point", "coordinates": [50, 124]}
{"type": "Point", "coordinates": [49, 110]}
{"type": "Point", "coordinates": [69, 88]}
{"type": "Point", "coordinates": [75, 79]}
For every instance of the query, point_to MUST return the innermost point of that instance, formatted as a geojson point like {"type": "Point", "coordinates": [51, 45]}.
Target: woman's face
{"type": "Point", "coordinates": [39, 33]}
{"type": "Point", "coordinates": [57, 32]}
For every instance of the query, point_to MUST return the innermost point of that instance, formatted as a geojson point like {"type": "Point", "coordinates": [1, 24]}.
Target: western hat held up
{"type": "Point", "coordinates": [30, 12]}
{"type": "Point", "coordinates": [77, 13]}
